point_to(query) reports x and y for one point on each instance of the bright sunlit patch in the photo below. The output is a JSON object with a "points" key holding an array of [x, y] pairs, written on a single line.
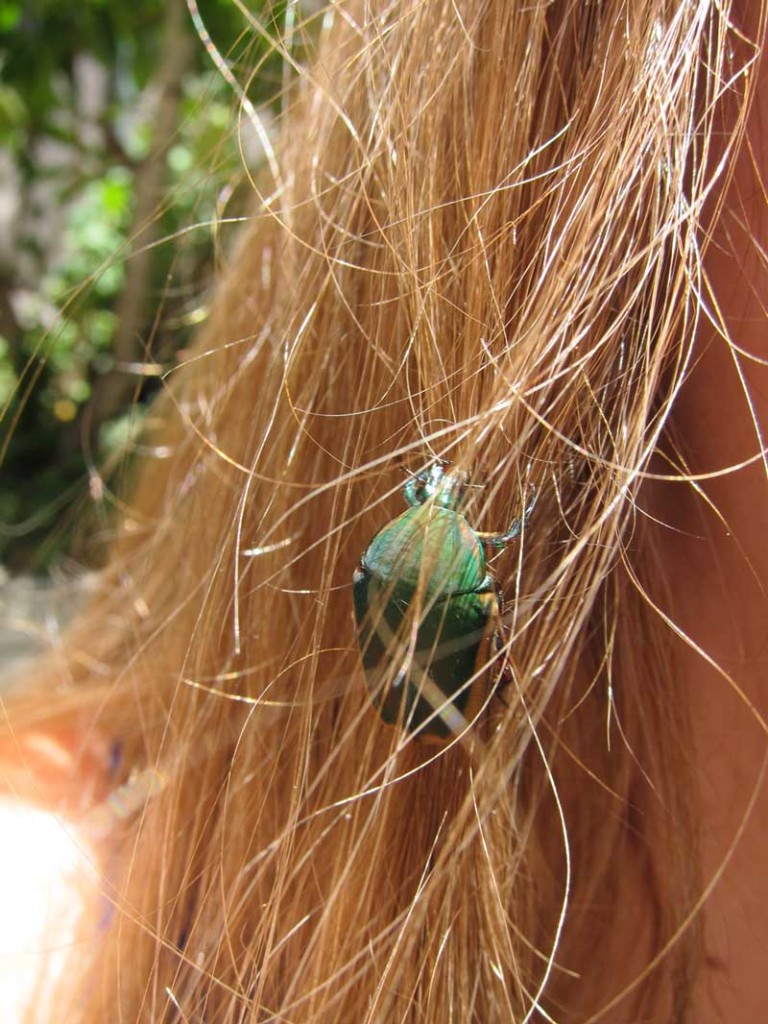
{"points": [[47, 880]]}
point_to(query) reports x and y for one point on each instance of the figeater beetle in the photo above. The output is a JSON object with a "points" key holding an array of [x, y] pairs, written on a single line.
{"points": [[429, 612]]}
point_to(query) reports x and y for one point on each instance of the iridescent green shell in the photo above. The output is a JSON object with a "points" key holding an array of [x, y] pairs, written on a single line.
{"points": [[428, 547], [428, 615]]}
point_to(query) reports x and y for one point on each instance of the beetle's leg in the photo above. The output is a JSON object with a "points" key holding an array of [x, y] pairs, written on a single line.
{"points": [[409, 490], [504, 681], [505, 677], [500, 540]]}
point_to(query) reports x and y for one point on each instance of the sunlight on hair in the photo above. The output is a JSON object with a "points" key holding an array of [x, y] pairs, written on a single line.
{"points": [[47, 880]]}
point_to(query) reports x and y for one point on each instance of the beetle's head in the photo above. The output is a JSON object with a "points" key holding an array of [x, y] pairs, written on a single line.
{"points": [[446, 487]]}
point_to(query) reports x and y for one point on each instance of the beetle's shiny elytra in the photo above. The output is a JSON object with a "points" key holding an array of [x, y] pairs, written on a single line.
{"points": [[429, 612]]}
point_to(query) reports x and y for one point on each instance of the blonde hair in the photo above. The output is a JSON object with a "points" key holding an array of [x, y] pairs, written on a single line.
{"points": [[481, 242]]}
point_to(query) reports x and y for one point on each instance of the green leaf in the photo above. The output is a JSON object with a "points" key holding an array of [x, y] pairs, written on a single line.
{"points": [[10, 15]]}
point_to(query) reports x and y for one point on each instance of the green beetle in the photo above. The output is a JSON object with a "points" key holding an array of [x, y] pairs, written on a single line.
{"points": [[428, 611]]}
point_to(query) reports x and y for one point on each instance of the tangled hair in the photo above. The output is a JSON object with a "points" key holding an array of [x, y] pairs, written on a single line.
{"points": [[480, 240]]}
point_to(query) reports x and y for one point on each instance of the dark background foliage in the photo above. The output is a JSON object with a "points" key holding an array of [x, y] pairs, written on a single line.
{"points": [[122, 170]]}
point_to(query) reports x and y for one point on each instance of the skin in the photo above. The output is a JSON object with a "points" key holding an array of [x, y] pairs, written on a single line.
{"points": [[718, 575]]}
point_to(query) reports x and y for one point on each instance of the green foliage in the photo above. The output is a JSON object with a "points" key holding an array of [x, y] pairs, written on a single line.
{"points": [[76, 168]]}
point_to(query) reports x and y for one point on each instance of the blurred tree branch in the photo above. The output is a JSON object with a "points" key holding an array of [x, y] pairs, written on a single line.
{"points": [[115, 388]]}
